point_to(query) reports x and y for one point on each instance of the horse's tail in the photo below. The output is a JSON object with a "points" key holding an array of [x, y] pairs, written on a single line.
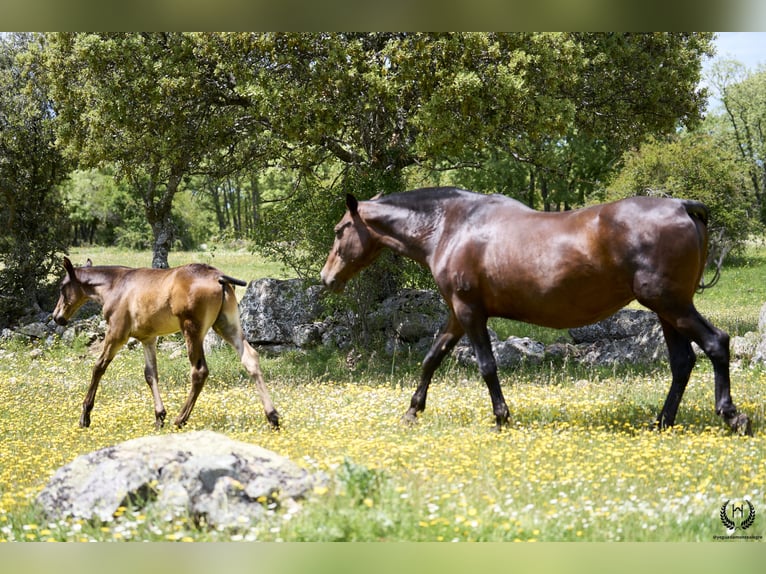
{"points": [[700, 213]]}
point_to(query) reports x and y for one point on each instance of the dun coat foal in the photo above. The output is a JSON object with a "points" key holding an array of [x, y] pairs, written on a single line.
{"points": [[491, 256], [147, 303]]}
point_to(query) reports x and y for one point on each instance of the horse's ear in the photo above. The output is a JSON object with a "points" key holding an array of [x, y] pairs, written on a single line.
{"points": [[376, 196], [89, 263], [352, 204]]}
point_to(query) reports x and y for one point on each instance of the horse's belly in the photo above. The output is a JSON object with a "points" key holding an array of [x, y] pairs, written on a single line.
{"points": [[156, 324], [561, 308]]}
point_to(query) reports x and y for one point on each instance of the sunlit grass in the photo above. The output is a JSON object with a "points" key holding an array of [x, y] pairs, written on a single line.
{"points": [[579, 461], [238, 262]]}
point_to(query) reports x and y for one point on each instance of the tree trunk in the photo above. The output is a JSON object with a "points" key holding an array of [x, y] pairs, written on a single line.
{"points": [[162, 230], [158, 208]]}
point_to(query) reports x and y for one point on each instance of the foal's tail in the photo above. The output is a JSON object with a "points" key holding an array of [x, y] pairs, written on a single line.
{"points": [[226, 280], [700, 213]]}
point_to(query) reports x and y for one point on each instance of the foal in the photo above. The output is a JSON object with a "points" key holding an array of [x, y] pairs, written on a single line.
{"points": [[147, 303]]}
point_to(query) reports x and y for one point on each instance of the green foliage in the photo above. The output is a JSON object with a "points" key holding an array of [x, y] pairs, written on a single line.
{"points": [[32, 221], [154, 105], [692, 166], [740, 126]]}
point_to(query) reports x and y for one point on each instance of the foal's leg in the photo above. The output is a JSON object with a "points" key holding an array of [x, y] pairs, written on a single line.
{"points": [[443, 344], [715, 344], [112, 344], [199, 370], [228, 327], [151, 376]]}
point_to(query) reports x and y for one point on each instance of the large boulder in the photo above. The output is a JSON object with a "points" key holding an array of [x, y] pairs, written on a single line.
{"points": [[277, 312], [213, 479], [509, 353], [628, 336]]}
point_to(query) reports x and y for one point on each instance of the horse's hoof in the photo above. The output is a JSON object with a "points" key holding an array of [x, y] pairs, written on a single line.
{"points": [[273, 418], [740, 424], [84, 421], [409, 419]]}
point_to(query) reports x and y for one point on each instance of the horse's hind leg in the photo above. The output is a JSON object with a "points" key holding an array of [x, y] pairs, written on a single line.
{"points": [[476, 327], [199, 370], [715, 344], [682, 359], [151, 376], [228, 327], [443, 344]]}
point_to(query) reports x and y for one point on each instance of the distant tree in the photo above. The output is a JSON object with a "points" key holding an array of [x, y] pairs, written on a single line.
{"points": [[97, 206], [693, 166], [155, 105], [743, 95], [32, 222]]}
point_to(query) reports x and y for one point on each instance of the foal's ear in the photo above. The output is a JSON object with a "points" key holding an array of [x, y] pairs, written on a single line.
{"points": [[352, 204], [89, 263], [69, 267]]}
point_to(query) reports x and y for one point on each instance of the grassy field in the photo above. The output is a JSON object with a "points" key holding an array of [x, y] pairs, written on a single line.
{"points": [[579, 462]]}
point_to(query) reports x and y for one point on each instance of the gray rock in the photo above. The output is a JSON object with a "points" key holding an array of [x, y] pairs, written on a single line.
{"points": [[271, 309], [747, 347], [628, 336], [509, 353], [624, 324], [36, 330], [411, 315], [213, 479]]}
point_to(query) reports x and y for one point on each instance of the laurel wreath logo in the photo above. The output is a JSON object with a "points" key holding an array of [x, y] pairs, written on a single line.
{"points": [[730, 524]]}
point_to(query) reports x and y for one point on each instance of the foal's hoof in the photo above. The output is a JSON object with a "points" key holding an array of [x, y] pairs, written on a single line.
{"points": [[84, 421], [740, 424], [273, 418]]}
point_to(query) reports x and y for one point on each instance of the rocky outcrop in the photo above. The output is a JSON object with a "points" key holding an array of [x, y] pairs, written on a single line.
{"points": [[628, 336], [280, 315], [280, 312], [205, 475]]}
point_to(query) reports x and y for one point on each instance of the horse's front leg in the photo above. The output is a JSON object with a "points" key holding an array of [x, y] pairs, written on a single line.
{"points": [[444, 343], [151, 376], [112, 344]]}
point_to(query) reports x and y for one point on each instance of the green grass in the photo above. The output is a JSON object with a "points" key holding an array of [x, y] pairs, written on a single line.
{"points": [[580, 460], [238, 262]]}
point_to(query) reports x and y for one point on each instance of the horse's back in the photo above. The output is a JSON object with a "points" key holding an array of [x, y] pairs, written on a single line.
{"points": [[565, 269], [159, 301]]}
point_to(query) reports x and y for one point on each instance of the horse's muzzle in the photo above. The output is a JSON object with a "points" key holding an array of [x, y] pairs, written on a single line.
{"points": [[60, 320]]}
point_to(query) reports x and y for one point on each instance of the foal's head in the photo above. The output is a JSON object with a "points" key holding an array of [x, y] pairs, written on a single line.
{"points": [[354, 248], [72, 294]]}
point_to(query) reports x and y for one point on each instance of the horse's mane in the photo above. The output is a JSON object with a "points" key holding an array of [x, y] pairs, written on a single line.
{"points": [[417, 198]]}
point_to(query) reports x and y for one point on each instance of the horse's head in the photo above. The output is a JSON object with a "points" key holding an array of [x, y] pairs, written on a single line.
{"points": [[355, 247], [72, 294]]}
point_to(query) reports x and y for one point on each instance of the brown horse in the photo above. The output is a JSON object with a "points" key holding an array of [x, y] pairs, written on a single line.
{"points": [[492, 256], [147, 303]]}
